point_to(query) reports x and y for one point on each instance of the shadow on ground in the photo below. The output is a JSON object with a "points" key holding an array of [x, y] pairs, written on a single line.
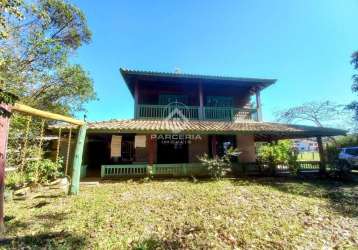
{"points": [[48, 220], [177, 238], [59, 240], [54, 196], [153, 243], [342, 195]]}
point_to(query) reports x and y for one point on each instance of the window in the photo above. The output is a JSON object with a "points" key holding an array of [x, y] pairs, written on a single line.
{"points": [[219, 101], [169, 98]]}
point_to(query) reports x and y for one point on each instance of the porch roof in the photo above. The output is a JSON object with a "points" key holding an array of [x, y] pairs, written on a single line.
{"points": [[261, 130]]}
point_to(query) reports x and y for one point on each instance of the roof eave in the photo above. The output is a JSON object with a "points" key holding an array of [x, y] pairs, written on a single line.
{"points": [[126, 73]]}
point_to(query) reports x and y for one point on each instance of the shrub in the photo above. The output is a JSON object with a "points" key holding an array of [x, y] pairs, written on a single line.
{"points": [[281, 153], [218, 167], [43, 171], [15, 179]]}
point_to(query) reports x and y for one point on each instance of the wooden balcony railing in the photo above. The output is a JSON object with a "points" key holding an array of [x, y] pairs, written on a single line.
{"points": [[228, 114], [194, 113], [163, 112]]}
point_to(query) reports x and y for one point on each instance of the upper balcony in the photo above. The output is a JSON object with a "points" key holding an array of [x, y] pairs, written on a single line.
{"points": [[199, 97], [195, 113]]}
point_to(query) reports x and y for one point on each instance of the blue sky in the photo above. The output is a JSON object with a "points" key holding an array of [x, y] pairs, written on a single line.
{"points": [[304, 44]]}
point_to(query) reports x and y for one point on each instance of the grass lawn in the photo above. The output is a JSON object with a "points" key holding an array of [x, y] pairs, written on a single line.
{"points": [[180, 214], [308, 156]]}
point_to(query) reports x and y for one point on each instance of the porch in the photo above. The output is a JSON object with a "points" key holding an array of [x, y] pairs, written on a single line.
{"points": [[158, 155], [151, 148]]}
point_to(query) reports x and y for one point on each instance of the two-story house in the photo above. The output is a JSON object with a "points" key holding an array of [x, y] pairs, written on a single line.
{"points": [[178, 117]]}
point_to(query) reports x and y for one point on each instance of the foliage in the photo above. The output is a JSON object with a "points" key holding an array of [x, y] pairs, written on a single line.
{"points": [[317, 113], [17, 138], [278, 153], [35, 57], [260, 213], [282, 152], [6, 98], [354, 105], [9, 9], [15, 179], [36, 171], [42, 171], [35, 64], [29, 157], [218, 167]]}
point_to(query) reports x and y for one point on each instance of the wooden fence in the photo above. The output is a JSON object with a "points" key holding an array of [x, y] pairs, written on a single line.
{"points": [[132, 170], [309, 165], [157, 170]]}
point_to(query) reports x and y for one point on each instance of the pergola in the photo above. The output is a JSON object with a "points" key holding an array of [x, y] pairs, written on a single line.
{"points": [[6, 110]]}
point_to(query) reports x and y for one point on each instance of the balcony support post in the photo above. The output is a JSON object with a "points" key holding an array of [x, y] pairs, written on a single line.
{"points": [[136, 97], [150, 144], [214, 146], [201, 102], [322, 162], [258, 105]]}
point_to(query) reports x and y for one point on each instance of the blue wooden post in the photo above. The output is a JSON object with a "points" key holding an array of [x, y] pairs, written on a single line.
{"points": [[77, 160], [184, 168], [136, 97], [201, 102], [102, 171]]}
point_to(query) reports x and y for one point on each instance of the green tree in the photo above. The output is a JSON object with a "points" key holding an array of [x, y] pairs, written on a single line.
{"points": [[9, 9], [41, 36], [354, 105], [35, 56]]}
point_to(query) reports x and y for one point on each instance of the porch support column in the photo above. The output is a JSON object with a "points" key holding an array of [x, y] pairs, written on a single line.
{"points": [[322, 162], [258, 105], [213, 145], [150, 151], [201, 102], [136, 97], [4, 131], [77, 160]]}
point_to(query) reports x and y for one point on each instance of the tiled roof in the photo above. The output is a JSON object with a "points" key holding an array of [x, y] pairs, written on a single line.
{"points": [[132, 76], [259, 129], [195, 76]]}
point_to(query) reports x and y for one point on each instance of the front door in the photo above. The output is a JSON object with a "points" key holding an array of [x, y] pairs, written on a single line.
{"points": [[172, 152]]}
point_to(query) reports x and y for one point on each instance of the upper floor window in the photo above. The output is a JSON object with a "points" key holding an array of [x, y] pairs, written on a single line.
{"points": [[219, 101], [169, 98]]}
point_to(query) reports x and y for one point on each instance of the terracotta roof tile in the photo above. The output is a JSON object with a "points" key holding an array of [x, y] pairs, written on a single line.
{"points": [[263, 129]]}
